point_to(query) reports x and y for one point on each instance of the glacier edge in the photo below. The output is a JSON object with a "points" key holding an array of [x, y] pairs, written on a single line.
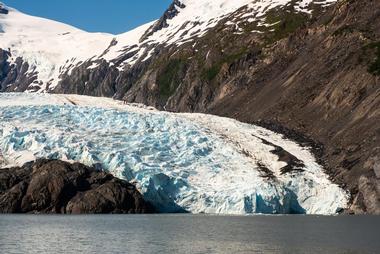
{"points": [[181, 162]]}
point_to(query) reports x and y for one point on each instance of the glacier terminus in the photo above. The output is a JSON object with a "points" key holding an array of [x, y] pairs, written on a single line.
{"points": [[180, 162]]}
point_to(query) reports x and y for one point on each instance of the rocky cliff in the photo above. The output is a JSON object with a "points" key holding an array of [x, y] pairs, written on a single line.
{"points": [[49, 186], [322, 82]]}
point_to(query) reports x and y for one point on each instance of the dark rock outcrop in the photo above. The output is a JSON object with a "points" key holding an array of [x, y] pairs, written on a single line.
{"points": [[51, 186], [3, 10], [15, 77]]}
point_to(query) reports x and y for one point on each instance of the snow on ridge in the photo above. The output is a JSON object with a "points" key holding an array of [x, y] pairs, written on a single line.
{"points": [[52, 48], [195, 17], [185, 26], [47, 45], [193, 162], [3, 6], [200, 15], [126, 40]]}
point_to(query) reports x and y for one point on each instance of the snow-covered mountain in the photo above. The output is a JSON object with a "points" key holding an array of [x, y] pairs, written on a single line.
{"points": [[47, 46], [41, 52]]}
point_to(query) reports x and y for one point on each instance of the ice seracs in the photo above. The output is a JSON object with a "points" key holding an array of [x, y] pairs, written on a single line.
{"points": [[181, 162]]}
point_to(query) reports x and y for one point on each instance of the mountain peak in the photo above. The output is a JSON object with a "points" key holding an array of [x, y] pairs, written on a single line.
{"points": [[3, 9], [170, 13]]}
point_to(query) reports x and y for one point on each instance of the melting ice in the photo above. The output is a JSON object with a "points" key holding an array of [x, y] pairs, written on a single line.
{"points": [[180, 162]]}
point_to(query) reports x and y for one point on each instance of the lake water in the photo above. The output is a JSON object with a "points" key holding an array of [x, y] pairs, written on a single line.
{"points": [[188, 234]]}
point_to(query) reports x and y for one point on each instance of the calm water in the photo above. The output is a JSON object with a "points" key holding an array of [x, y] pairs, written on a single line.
{"points": [[188, 234]]}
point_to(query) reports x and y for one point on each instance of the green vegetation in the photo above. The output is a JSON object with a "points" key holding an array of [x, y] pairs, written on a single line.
{"points": [[344, 30], [374, 67], [170, 77], [210, 73], [283, 23], [368, 51]]}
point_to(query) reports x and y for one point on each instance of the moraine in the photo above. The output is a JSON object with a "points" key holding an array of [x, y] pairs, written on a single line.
{"points": [[181, 162]]}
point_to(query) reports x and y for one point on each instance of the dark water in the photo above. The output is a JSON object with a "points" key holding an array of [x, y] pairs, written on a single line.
{"points": [[188, 234]]}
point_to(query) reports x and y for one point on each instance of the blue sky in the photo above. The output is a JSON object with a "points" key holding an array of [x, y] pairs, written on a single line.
{"points": [[112, 16]]}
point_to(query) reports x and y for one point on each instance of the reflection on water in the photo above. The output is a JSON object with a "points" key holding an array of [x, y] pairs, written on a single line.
{"points": [[188, 234]]}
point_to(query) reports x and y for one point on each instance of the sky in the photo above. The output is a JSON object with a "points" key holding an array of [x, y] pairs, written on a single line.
{"points": [[110, 16]]}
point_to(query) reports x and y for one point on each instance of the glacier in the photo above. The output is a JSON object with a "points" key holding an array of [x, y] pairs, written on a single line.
{"points": [[180, 162]]}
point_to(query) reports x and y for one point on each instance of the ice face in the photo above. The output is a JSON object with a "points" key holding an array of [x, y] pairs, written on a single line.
{"points": [[181, 163]]}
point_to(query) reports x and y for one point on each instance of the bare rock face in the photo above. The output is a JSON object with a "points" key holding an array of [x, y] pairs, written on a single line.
{"points": [[323, 82], [51, 186], [3, 10]]}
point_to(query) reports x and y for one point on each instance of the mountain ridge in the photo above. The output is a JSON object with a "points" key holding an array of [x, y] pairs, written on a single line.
{"points": [[178, 25]]}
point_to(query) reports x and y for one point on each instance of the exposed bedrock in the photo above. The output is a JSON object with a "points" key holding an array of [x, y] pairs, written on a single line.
{"points": [[52, 186]]}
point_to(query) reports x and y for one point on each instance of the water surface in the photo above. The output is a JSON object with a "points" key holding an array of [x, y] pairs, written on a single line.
{"points": [[188, 234]]}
